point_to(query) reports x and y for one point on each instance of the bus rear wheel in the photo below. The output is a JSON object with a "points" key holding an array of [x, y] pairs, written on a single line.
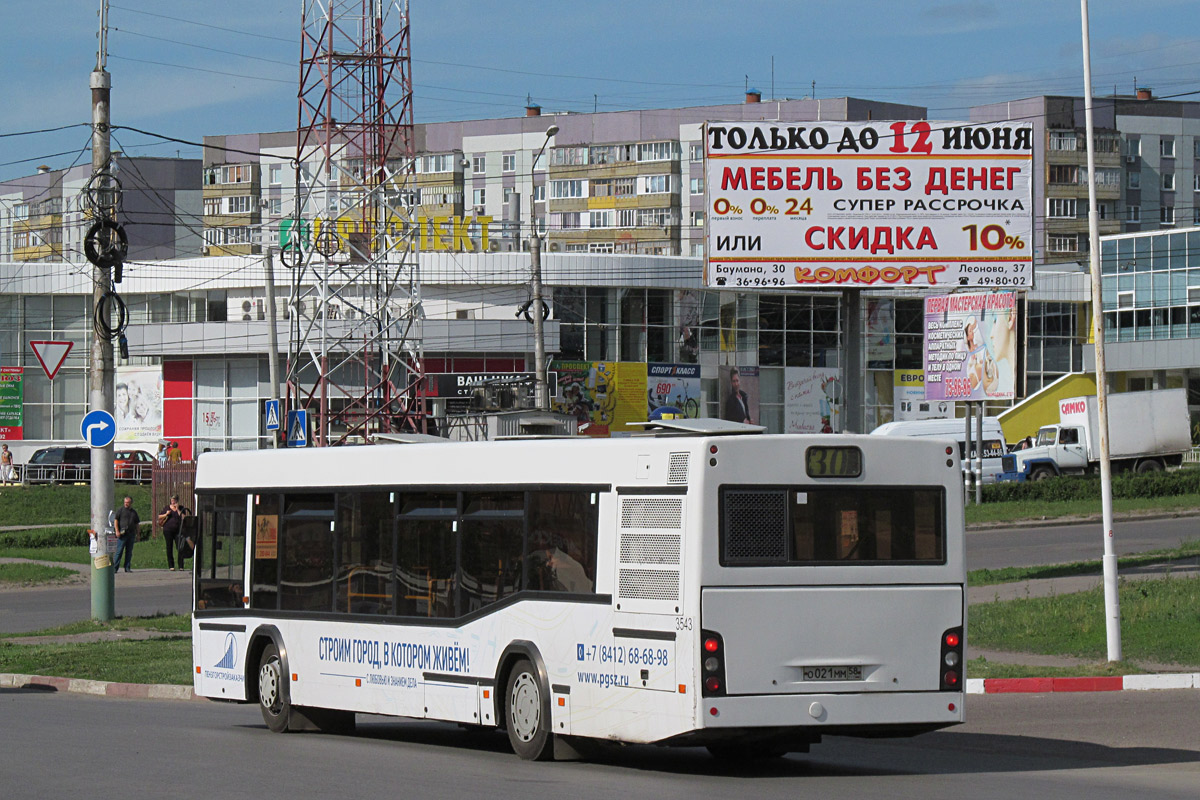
{"points": [[273, 698], [527, 713]]}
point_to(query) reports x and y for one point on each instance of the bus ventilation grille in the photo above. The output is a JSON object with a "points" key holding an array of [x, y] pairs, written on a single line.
{"points": [[755, 526], [677, 468], [651, 512], [649, 548], [648, 584]]}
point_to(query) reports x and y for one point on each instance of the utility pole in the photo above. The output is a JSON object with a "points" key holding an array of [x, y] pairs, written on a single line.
{"points": [[101, 362], [272, 337], [540, 395]]}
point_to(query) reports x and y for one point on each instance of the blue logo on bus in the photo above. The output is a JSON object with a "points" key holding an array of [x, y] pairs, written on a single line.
{"points": [[229, 660]]}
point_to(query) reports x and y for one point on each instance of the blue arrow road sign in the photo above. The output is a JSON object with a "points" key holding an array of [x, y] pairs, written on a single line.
{"points": [[98, 428], [272, 415], [297, 428]]}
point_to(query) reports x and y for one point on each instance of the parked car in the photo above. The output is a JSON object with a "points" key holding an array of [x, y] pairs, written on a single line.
{"points": [[59, 465], [134, 466]]}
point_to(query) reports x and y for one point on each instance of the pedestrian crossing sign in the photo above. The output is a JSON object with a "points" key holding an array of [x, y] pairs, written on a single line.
{"points": [[297, 428], [272, 411]]}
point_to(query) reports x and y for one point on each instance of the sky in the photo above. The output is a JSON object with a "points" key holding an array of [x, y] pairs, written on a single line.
{"points": [[189, 70]]}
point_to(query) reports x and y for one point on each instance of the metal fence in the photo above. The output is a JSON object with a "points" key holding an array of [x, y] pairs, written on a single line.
{"points": [[173, 479]]}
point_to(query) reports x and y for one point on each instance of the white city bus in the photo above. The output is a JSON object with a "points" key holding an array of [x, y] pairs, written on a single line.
{"points": [[705, 585]]}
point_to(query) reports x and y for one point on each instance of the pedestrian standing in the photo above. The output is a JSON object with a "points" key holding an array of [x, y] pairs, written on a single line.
{"points": [[6, 466], [174, 454], [171, 520], [162, 454], [128, 525]]}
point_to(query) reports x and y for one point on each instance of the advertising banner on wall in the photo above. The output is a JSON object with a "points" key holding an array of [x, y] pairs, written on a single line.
{"points": [[812, 399], [12, 404], [602, 395], [909, 393], [870, 204], [463, 384], [971, 346], [673, 389], [739, 394], [138, 405]]}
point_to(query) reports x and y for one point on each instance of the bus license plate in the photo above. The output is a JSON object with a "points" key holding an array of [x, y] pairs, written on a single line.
{"points": [[850, 673]]}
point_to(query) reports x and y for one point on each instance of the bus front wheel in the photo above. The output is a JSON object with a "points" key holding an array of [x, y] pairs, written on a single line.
{"points": [[527, 713], [273, 697]]}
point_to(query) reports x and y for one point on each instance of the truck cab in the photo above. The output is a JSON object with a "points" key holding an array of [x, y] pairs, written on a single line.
{"points": [[1057, 449]]}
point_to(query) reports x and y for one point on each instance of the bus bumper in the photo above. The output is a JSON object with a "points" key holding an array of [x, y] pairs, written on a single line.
{"points": [[841, 714]]}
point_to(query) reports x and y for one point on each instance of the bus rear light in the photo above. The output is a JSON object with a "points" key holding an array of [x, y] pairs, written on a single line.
{"points": [[713, 449], [949, 451], [713, 711], [712, 664], [952, 657]]}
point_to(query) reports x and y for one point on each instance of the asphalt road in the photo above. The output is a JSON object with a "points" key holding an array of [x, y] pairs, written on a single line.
{"points": [[1060, 544], [1069, 747]]}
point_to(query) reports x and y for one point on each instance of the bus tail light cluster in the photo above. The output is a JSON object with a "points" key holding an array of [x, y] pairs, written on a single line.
{"points": [[951, 665], [712, 664]]}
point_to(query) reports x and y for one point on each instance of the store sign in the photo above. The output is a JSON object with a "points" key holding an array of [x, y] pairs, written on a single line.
{"points": [[971, 346], [463, 384], [874, 204], [457, 234], [12, 404]]}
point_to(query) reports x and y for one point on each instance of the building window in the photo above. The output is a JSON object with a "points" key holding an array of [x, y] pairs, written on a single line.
{"points": [[236, 173], [1063, 244], [569, 157], [212, 206], [1063, 140], [658, 151], [539, 193], [478, 197], [1133, 213], [1133, 146], [1064, 174], [440, 163], [1060, 208], [577, 248], [239, 204], [1104, 177], [1133, 180], [658, 184], [1166, 215], [1168, 181], [696, 185], [624, 187], [696, 151], [600, 247], [1196, 215], [276, 173], [626, 217], [565, 190], [1166, 147], [602, 219], [656, 217], [479, 164], [602, 155], [275, 206], [697, 219], [508, 162]]}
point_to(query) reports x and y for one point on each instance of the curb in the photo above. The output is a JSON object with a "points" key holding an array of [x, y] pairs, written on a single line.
{"points": [[1116, 683], [1090, 519], [136, 691]]}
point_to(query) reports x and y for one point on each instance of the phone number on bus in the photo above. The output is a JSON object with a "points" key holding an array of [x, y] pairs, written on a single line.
{"points": [[618, 654]]}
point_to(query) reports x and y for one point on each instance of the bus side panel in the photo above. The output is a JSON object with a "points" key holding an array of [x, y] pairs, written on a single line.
{"points": [[219, 659]]}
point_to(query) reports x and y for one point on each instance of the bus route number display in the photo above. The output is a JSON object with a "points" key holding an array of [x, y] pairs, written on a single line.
{"points": [[833, 462]]}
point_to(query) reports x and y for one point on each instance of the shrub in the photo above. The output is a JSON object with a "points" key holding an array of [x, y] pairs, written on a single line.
{"points": [[1087, 487]]}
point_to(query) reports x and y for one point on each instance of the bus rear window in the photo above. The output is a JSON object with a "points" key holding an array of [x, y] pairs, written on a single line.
{"points": [[832, 525]]}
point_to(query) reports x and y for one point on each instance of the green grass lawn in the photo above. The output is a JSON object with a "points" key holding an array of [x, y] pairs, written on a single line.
{"points": [[151, 554], [45, 505], [1160, 622], [135, 661], [32, 573], [1010, 511], [1187, 552]]}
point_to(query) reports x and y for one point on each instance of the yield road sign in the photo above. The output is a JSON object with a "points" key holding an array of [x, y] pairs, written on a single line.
{"points": [[51, 355], [98, 428], [272, 410], [297, 428]]}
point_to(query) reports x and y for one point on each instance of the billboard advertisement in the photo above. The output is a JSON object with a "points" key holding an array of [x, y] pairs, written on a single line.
{"points": [[138, 396], [908, 390], [673, 389], [602, 395], [971, 346], [12, 404], [812, 399], [869, 204]]}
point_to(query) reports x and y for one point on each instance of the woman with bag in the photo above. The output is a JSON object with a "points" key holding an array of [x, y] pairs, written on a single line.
{"points": [[171, 521]]}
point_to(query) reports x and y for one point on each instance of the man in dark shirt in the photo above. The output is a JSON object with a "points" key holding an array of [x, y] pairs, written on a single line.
{"points": [[128, 525]]}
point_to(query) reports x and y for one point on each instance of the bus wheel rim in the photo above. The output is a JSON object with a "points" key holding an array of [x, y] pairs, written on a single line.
{"points": [[526, 707], [268, 685]]}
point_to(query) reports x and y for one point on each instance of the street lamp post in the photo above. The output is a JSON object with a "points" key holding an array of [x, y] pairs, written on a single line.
{"points": [[535, 254]]}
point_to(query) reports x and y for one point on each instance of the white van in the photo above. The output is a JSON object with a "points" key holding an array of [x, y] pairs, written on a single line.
{"points": [[955, 429]]}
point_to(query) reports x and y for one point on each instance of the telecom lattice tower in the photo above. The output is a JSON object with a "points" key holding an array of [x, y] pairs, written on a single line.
{"points": [[355, 357]]}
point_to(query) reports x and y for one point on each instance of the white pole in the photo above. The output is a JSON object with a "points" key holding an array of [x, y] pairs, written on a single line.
{"points": [[1112, 602]]}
